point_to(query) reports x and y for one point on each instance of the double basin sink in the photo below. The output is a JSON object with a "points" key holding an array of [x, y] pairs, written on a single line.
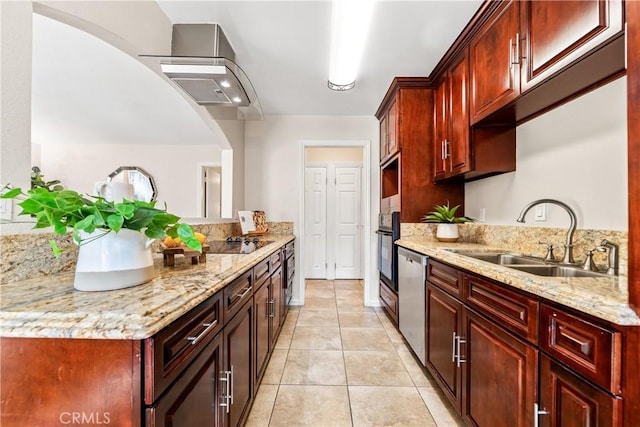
{"points": [[532, 265]]}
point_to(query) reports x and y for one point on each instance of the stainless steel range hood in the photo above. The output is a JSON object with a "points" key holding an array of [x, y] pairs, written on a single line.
{"points": [[202, 64]]}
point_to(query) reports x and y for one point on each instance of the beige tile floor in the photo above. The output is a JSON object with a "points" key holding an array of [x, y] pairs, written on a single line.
{"points": [[339, 363]]}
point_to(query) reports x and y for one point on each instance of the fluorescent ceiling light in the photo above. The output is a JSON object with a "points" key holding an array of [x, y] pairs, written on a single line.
{"points": [[349, 27], [193, 69]]}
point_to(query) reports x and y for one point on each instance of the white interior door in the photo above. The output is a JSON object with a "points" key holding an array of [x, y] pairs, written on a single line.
{"points": [[347, 230], [315, 222]]}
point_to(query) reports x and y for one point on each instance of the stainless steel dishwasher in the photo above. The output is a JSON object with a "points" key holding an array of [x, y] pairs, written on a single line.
{"points": [[412, 270]]}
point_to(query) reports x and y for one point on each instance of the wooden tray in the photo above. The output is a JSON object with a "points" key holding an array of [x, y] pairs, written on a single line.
{"points": [[169, 255]]}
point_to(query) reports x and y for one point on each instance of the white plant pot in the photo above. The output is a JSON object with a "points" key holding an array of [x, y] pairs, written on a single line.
{"points": [[447, 232], [114, 261]]}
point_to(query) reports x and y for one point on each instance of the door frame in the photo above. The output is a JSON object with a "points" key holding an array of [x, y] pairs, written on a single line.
{"points": [[333, 165], [370, 291], [199, 192]]}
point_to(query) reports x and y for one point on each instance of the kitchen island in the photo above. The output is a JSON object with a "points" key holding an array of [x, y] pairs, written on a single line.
{"points": [[173, 350]]}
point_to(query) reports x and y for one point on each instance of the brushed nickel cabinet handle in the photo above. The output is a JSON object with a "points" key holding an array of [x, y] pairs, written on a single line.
{"points": [[207, 328]]}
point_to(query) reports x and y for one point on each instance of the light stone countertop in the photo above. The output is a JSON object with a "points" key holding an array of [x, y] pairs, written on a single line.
{"points": [[51, 308], [599, 297]]}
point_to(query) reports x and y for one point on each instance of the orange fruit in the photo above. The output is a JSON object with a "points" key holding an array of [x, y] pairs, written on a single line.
{"points": [[170, 242], [201, 237]]}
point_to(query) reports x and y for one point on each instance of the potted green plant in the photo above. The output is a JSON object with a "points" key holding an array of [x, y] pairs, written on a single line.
{"points": [[447, 220], [114, 237]]}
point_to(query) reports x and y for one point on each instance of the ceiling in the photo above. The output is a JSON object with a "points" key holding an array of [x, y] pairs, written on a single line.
{"points": [[85, 90], [283, 46]]}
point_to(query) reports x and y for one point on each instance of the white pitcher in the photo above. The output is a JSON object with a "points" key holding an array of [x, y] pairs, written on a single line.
{"points": [[113, 261], [113, 191]]}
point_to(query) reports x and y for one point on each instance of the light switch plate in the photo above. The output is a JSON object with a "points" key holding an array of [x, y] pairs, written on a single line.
{"points": [[541, 212]]}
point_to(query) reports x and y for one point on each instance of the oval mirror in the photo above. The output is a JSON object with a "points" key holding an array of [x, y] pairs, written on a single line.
{"points": [[144, 187]]}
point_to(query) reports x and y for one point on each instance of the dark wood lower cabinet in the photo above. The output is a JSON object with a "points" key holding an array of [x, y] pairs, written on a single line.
{"points": [[200, 370], [276, 306], [484, 350], [262, 336], [194, 400], [444, 317], [572, 402], [499, 375], [238, 363]]}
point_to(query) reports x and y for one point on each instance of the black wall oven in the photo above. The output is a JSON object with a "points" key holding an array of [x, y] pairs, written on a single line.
{"points": [[388, 232]]}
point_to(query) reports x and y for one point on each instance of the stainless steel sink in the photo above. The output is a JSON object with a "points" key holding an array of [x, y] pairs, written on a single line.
{"points": [[557, 271], [531, 264], [503, 258]]}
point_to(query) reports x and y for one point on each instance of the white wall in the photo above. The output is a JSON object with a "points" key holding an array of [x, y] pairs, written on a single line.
{"points": [[332, 154], [174, 168], [273, 170], [576, 153], [15, 92], [272, 158]]}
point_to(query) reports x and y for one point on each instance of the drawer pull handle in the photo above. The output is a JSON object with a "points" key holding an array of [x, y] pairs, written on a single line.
{"points": [[207, 328], [242, 294], [585, 348]]}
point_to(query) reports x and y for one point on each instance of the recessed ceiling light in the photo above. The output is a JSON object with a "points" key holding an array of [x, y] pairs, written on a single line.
{"points": [[236, 99], [225, 83]]}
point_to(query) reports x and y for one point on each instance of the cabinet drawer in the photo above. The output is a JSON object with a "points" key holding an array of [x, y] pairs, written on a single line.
{"points": [[261, 272], [591, 350], [445, 277], [237, 293], [511, 310], [170, 351], [389, 302], [275, 261]]}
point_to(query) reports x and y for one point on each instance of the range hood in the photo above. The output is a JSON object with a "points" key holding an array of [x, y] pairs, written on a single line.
{"points": [[202, 64]]}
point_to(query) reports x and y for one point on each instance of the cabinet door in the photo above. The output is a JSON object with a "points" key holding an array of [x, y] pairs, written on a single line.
{"points": [[572, 402], [276, 305], [500, 375], [559, 32], [443, 325], [460, 149], [194, 399], [238, 360], [494, 78], [384, 137], [262, 310], [441, 112], [392, 129]]}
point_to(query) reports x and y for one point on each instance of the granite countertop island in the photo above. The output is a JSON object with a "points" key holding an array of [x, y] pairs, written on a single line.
{"points": [[599, 297], [51, 308]]}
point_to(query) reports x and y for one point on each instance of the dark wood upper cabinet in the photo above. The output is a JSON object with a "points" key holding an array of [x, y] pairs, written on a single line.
{"points": [[555, 33], [389, 143], [530, 56], [406, 181], [493, 52], [451, 128]]}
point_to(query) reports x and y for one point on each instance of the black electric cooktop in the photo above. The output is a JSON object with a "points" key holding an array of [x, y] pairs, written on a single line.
{"points": [[232, 246]]}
